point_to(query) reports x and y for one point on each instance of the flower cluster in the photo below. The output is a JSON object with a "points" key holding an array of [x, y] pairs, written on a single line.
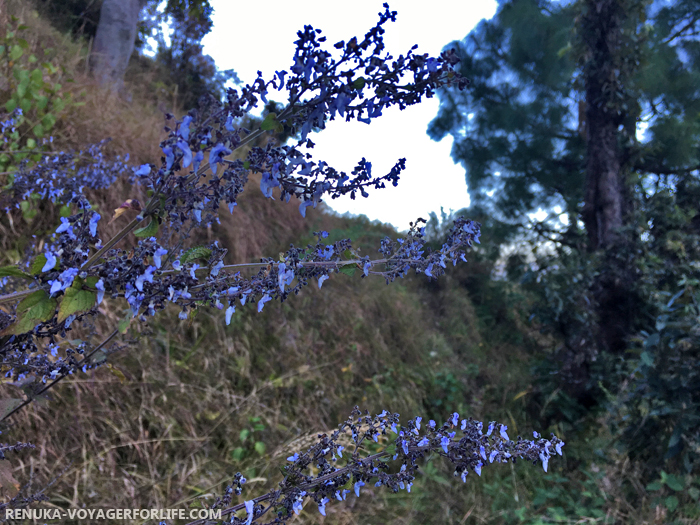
{"points": [[69, 280], [329, 471]]}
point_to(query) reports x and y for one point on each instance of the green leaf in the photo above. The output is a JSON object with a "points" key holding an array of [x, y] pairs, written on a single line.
{"points": [[674, 482], [37, 77], [246, 164], [148, 231], [349, 269], [654, 486], [41, 102], [671, 503], [38, 130], [36, 308], [694, 493], [244, 435], [16, 52], [25, 104], [65, 211], [75, 300], [13, 271], [124, 323], [198, 252], [270, 122], [260, 447], [48, 121], [359, 83]]}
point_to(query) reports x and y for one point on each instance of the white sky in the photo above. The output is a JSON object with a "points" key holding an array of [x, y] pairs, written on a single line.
{"points": [[252, 36]]}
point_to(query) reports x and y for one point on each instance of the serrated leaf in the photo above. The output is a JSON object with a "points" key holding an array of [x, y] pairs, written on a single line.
{"points": [[13, 271], [36, 308], [98, 357], [91, 281], [348, 269], [270, 122], [198, 252], [75, 301], [148, 231], [124, 323]]}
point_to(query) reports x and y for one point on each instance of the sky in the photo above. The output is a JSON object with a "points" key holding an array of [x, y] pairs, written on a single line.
{"points": [[246, 41]]}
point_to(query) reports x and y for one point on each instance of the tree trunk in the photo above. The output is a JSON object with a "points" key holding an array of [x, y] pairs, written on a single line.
{"points": [[114, 41], [605, 194], [607, 198]]}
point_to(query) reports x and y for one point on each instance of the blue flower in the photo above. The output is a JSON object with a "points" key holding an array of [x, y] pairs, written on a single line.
{"points": [[93, 223], [215, 269], [490, 428], [183, 315], [477, 468], [482, 451], [147, 276], [142, 170], [100, 285], [194, 268], [357, 487], [504, 434], [558, 447], [157, 256], [303, 206], [321, 279], [229, 312], [267, 182], [65, 280], [261, 302], [493, 454], [322, 506], [216, 156], [423, 442], [169, 157], [249, 508], [50, 262], [444, 442], [418, 420], [186, 153], [184, 130], [455, 419], [66, 227], [294, 457]]}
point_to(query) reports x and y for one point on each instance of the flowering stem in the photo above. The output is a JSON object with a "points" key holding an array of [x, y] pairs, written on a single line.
{"points": [[83, 361], [114, 240]]}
